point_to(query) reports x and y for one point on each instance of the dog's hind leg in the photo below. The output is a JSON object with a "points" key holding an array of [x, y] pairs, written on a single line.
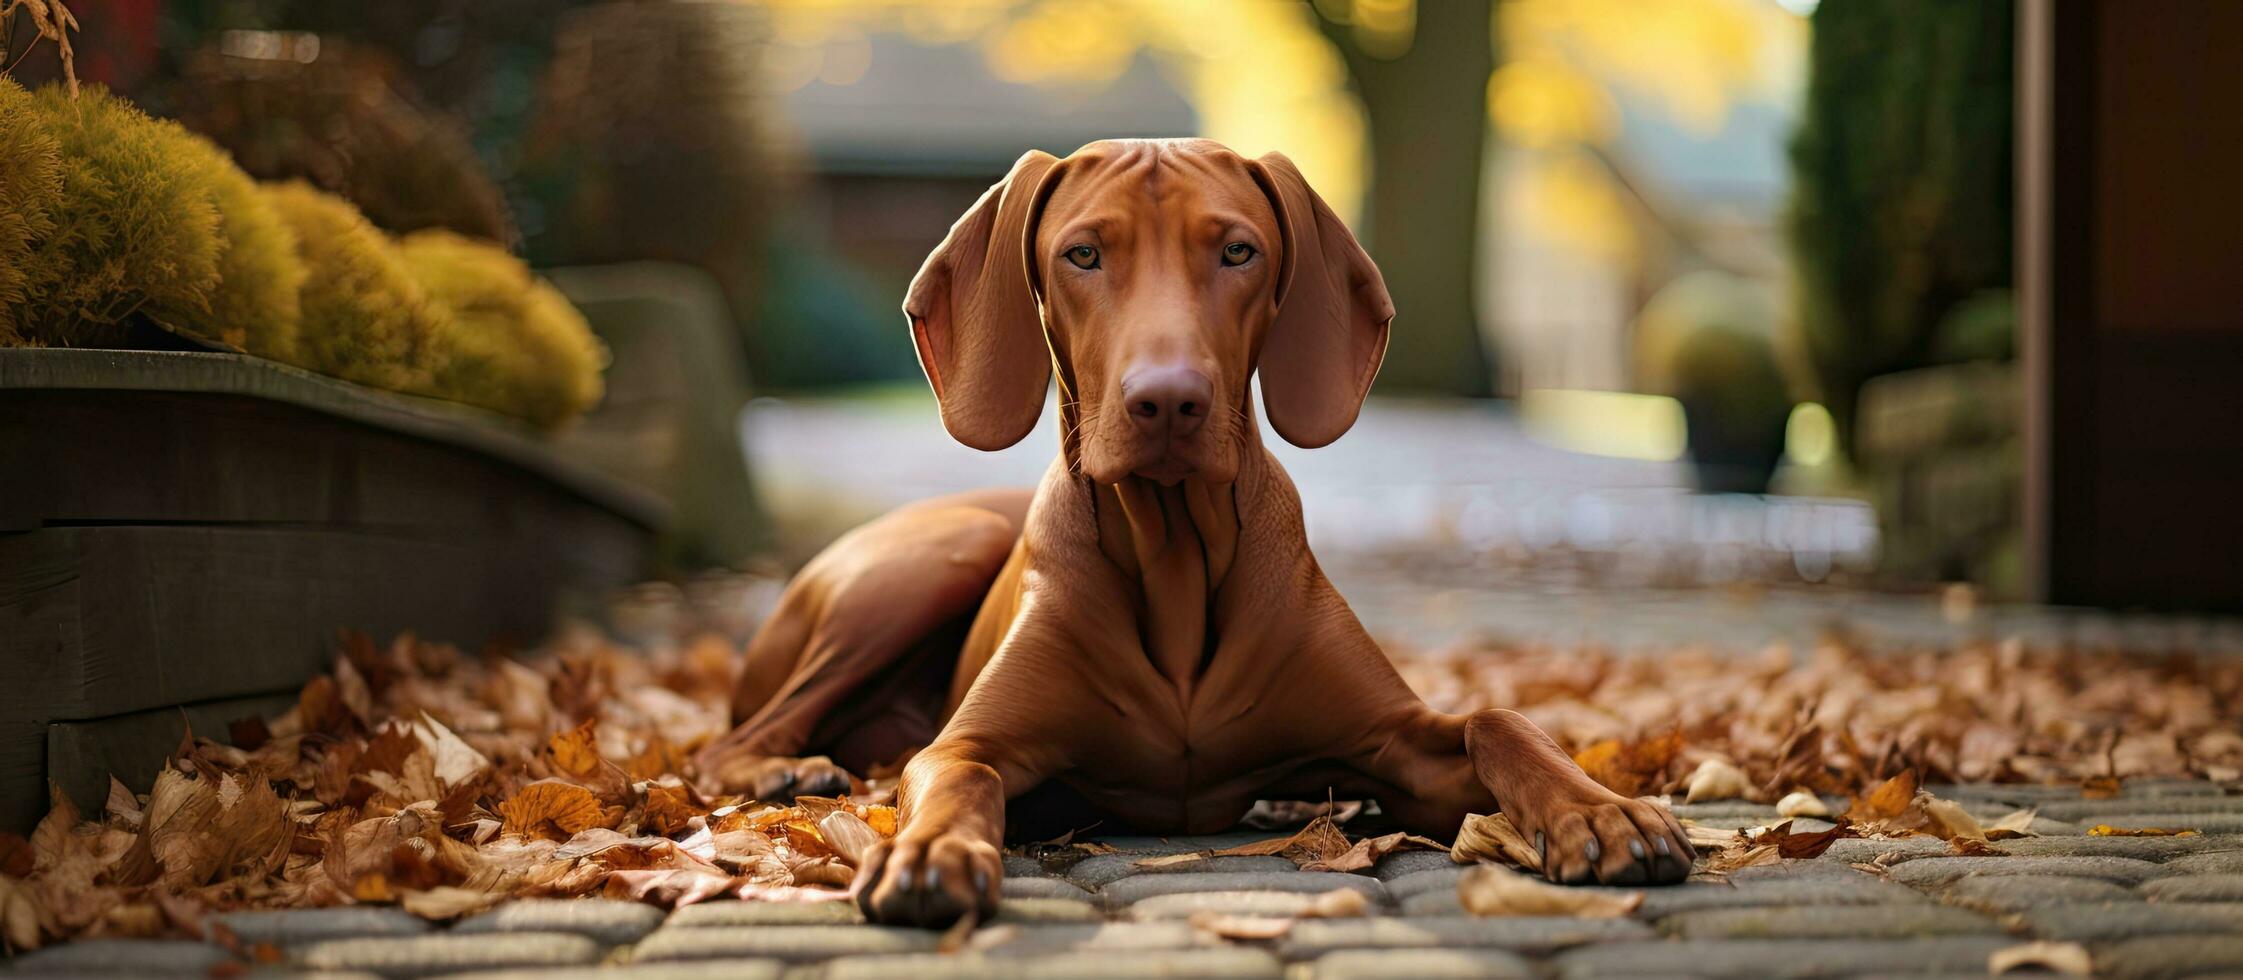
{"points": [[859, 650]]}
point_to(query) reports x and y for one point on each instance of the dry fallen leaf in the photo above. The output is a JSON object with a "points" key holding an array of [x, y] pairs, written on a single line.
{"points": [[2106, 830], [1947, 820], [1631, 768], [2016, 823], [1492, 837], [394, 775], [1717, 779], [551, 808], [1491, 890], [1801, 803], [2070, 959], [1244, 928]]}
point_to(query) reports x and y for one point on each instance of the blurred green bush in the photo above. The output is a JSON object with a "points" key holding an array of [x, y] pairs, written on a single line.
{"points": [[1901, 206], [509, 341], [30, 193], [366, 319], [109, 218], [1707, 339], [254, 305], [136, 227]]}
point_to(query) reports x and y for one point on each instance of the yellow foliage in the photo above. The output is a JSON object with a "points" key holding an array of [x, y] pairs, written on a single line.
{"points": [[1564, 60], [1259, 74], [1694, 58], [139, 229], [30, 194], [510, 342], [365, 318], [255, 305]]}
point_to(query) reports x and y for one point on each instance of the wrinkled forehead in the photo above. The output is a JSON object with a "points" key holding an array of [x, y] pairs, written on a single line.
{"points": [[1117, 186]]}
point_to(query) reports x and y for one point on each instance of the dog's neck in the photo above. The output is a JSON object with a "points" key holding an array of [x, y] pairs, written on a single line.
{"points": [[1178, 544]]}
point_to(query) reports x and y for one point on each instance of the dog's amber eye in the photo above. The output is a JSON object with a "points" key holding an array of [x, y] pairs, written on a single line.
{"points": [[1084, 257], [1236, 253]]}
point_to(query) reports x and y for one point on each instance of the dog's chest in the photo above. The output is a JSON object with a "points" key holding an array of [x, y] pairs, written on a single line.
{"points": [[1162, 762]]}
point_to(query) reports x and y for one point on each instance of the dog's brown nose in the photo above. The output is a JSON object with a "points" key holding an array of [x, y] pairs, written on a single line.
{"points": [[1172, 398]]}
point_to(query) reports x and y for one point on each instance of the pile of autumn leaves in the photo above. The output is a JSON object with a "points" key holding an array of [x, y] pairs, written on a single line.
{"points": [[444, 782]]}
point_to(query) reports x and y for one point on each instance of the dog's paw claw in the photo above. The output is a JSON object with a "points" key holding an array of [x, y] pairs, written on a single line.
{"points": [[928, 882], [1605, 838]]}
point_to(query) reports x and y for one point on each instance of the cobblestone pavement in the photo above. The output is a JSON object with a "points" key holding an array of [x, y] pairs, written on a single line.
{"points": [[2142, 906]]}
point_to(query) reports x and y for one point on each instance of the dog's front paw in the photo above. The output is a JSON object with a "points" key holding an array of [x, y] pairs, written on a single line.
{"points": [[773, 779], [1596, 835], [931, 881]]}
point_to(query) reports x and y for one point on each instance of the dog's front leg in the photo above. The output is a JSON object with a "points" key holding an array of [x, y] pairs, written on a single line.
{"points": [[1444, 766], [1584, 831], [946, 859]]}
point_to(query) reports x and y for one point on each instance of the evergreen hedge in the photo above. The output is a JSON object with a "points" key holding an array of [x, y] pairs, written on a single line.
{"points": [[1901, 205]]}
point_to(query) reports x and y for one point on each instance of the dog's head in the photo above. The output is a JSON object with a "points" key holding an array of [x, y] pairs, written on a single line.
{"points": [[1157, 276]]}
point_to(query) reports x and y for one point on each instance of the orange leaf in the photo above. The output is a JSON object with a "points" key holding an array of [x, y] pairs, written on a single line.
{"points": [[669, 806], [882, 819], [2099, 787], [551, 809], [1888, 801], [1631, 768], [2106, 830], [576, 752]]}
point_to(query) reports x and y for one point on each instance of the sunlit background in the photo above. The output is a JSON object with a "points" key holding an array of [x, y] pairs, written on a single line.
{"points": [[1639, 341]]}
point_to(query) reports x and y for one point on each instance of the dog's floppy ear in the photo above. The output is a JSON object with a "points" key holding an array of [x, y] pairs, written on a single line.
{"points": [[1332, 315], [974, 318]]}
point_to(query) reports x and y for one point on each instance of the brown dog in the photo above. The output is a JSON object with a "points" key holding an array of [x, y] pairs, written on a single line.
{"points": [[1151, 630]]}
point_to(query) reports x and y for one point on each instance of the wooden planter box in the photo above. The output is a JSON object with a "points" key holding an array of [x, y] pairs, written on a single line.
{"points": [[186, 533]]}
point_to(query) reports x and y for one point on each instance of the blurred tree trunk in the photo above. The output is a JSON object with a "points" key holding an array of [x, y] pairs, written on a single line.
{"points": [[1428, 134]]}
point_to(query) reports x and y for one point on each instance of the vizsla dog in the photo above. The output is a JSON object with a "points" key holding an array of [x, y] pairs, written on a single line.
{"points": [[1149, 628]]}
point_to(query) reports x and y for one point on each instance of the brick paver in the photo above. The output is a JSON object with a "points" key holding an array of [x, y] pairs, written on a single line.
{"points": [[2143, 906]]}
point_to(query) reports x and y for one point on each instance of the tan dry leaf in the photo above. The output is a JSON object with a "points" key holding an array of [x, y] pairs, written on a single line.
{"points": [[2100, 788], [447, 902], [1241, 928], [1491, 890], [123, 808], [1703, 837], [1492, 837], [1321, 840], [1370, 850], [1947, 820], [457, 763], [1339, 903], [2070, 959], [1717, 779], [1739, 856], [672, 887], [19, 915], [1974, 847], [2016, 823], [1801, 803], [848, 835]]}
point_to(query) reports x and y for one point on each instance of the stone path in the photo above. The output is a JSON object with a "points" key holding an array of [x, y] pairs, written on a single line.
{"points": [[2144, 907]]}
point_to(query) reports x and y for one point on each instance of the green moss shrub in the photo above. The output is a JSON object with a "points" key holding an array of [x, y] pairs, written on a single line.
{"points": [[510, 342], [138, 228], [255, 304], [30, 194], [365, 318]]}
